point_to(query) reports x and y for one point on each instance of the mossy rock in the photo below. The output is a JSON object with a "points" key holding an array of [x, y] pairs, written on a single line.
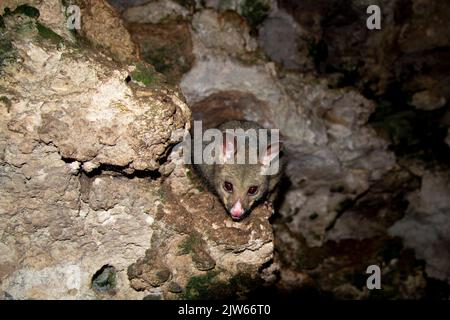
{"points": [[48, 34], [189, 244], [255, 12], [208, 286], [146, 75], [6, 102], [6, 51]]}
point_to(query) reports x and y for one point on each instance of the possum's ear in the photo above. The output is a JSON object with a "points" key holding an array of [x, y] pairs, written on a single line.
{"points": [[228, 146], [272, 151]]}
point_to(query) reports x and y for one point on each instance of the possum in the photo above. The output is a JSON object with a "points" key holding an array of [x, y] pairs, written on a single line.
{"points": [[241, 187]]}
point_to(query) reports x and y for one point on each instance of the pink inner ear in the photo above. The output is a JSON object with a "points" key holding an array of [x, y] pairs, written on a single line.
{"points": [[228, 148]]}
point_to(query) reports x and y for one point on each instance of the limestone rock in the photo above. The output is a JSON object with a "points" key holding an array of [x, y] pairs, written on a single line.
{"points": [[167, 46], [102, 26], [84, 212], [155, 11], [425, 100], [283, 40], [326, 139], [49, 14], [425, 227]]}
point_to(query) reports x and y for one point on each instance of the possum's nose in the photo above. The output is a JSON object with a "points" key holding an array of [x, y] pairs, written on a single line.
{"points": [[237, 211]]}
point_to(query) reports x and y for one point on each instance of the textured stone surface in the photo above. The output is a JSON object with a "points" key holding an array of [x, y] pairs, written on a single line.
{"points": [[284, 41], [102, 26], [49, 14], [325, 135], [427, 222], [89, 168], [412, 46], [155, 12], [81, 141], [167, 46]]}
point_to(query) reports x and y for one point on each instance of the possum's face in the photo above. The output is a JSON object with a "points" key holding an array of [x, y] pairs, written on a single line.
{"points": [[240, 187]]}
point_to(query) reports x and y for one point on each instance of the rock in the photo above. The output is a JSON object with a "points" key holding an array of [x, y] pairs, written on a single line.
{"points": [[108, 124], [425, 227], [97, 203], [49, 14], [225, 32], [102, 26], [175, 287], [155, 12], [84, 212], [425, 100], [414, 51], [167, 46], [282, 39], [120, 5], [324, 130], [220, 249], [226, 105]]}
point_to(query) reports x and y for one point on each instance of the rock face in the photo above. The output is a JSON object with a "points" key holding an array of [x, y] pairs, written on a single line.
{"points": [[412, 46], [155, 12], [326, 140], [102, 26], [425, 227], [300, 67], [93, 203], [192, 229], [95, 200]]}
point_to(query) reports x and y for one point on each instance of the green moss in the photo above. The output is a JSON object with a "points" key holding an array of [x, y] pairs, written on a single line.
{"points": [[208, 286], [189, 244], [167, 59], [255, 11], [48, 34], [6, 102], [145, 75], [201, 287], [158, 58], [6, 50], [162, 195]]}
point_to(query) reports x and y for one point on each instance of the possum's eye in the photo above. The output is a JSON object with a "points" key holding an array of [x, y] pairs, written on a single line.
{"points": [[252, 190], [228, 186]]}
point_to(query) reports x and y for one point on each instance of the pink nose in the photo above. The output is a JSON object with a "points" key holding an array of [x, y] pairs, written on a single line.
{"points": [[237, 211]]}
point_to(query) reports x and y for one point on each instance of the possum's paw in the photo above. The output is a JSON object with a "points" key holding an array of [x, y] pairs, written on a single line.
{"points": [[269, 206]]}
